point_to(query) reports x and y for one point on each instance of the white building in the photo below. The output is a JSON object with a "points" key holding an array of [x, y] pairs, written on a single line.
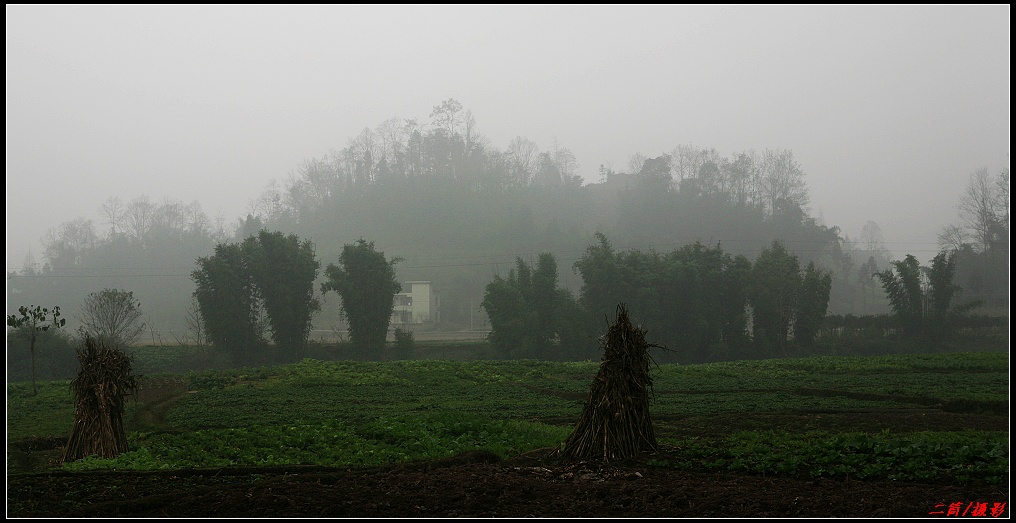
{"points": [[418, 305]]}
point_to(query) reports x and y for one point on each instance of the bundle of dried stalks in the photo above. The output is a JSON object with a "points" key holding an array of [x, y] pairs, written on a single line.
{"points": [[615, 422], [101, 390]]}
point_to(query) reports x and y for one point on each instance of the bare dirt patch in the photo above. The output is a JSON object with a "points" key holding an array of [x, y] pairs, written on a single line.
{"points": [[473, 486]]}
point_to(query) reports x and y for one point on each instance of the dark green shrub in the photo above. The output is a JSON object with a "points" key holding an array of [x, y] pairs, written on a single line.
{"points": [[54, 353], [405, 345]]}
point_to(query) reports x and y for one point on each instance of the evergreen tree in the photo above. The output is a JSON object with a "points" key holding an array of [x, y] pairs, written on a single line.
{"points": [[366, 282], [285, 269], [262, 287], [812, 304], [229, 302], [530, 316], [922, 297]]}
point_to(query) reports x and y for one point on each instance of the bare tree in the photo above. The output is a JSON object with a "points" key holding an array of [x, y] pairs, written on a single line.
{"points": [[195, 324], [361, 156], [753, 164], [66, 246], [473, 137], [30, 266], [686, 159], [391, 135], [566, 163], [782, 179], [219, 232], [138, 216], [446, 116], [871, 235], [197, 220], [984, 207], [872, 244], [316, 182], [112, 316], [113, 212], [269, 205], [156, 334], [952, 237], [635, 163], [977, 206], [740, 173], [523, 154], [171, 215]]}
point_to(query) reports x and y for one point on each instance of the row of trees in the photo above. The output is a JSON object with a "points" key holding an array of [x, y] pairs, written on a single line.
{"points": [[260, 289], [706, 305], [253, 301], [454, 205], [399, 149], [699, 302], [770, 181], [146, 247], [136, 225], [256, 298], [695, 298], [440, 191], [452, 149]]}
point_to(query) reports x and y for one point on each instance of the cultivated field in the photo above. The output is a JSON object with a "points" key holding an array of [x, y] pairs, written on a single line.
{"points": [[902, 435]]}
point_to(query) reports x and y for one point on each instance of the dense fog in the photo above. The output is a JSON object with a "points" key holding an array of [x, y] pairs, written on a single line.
{"points": [[465, 139]]}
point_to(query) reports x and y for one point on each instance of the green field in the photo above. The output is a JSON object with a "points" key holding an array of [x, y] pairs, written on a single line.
{"points": [[936, 418]]}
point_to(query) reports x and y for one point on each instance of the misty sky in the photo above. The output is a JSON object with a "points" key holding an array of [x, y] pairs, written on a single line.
{"points": [[887, 109]]}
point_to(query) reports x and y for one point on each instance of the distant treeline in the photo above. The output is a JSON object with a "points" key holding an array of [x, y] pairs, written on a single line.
{"points": [[459, 210]]}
